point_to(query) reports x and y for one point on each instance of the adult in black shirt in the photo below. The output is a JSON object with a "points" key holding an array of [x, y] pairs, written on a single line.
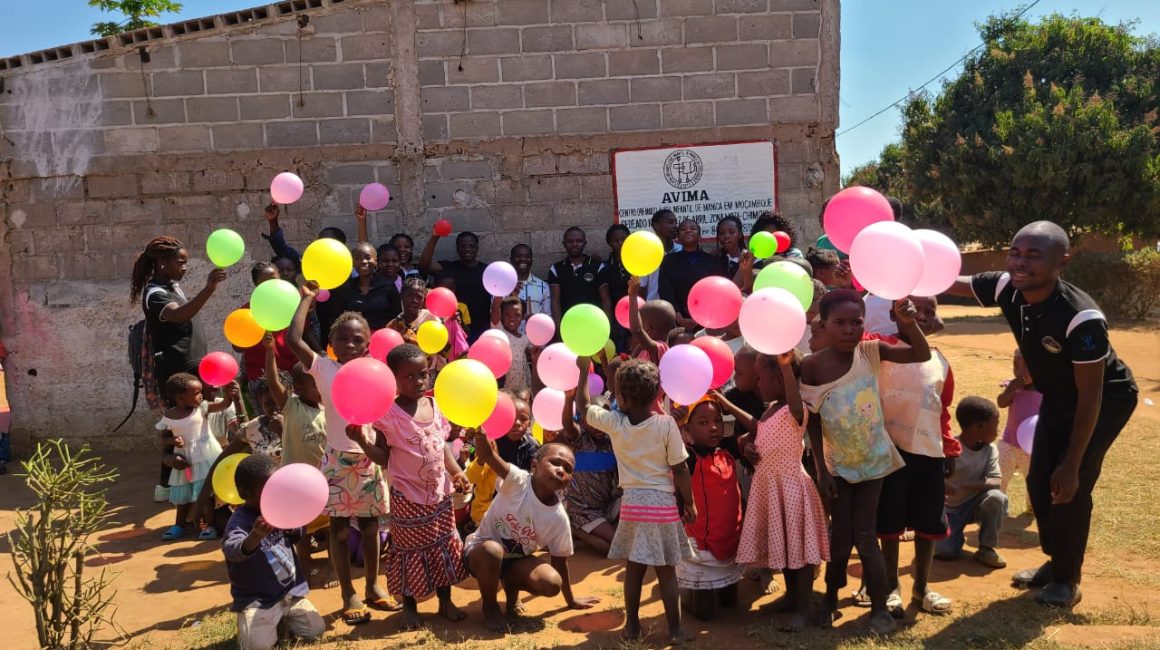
{"points": [[368, 292], [1088, 396], [682, 269], [617, 281], [468, 274], [578, 278]]}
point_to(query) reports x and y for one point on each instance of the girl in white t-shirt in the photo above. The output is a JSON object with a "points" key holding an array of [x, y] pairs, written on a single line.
{"points": [[186, 427]]}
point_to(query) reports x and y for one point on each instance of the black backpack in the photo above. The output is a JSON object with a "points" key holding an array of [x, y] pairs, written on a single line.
{"points": [[139, 356]]}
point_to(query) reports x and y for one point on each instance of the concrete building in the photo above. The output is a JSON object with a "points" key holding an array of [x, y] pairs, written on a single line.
{"points": [[498, 115]]}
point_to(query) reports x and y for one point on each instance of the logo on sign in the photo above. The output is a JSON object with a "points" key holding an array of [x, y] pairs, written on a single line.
{"points": [[683, 169]]}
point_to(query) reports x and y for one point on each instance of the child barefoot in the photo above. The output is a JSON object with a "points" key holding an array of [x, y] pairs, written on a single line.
{"points": [[592, 500], [840, 385], [425, 554], [1022, 401], [266, 582], [186, 427], [650, 457], [785, 526]]}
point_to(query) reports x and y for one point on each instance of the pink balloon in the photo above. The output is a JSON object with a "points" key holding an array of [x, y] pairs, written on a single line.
{"points": [[720, 355], [548, 409], [888, 259], [323, 295], [686, 373], [540, 329], [495, 332], [772, 320], [857, 285], [383, 341], [557, 367], [714, 302], [374, 197], [851, 210], [1025, 434], [294, 496], [502, 418], [493, 353], [621, 311], [218, 369], [363, 390], [500, 279], [941, 263], [286, 188], [595, 384], [442, 302]]}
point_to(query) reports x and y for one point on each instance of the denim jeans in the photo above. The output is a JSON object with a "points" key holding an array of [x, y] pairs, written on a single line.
{"points": [[988, 508]]}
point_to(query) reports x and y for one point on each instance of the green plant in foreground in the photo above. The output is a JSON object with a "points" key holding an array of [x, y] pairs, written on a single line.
{"points": [[50, 542]]}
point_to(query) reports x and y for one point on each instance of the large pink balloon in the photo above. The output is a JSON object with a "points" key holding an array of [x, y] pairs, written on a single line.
{"points": [[888, 259], [500, 279], [941, 263], [218, 369], [442, 302], [383, 341], [363, 390], [686, 373], [494, 353], [548, 409], [714, 302], [286, 188], [851, 210], [772, 320], [720, 355], [502, 418], [540, 329], [294, 496], [557, 367], [621, 311], [374, 197]]}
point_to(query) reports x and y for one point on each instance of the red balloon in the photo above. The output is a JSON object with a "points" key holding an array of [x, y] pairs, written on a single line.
{"points": [[442, 228], [442, 302], [383, 341], [720, 355], [502, 418], [363, 390], [218, 369], [857, 285], [714, 302], [493, 352], [783, 241], [622, 310]]}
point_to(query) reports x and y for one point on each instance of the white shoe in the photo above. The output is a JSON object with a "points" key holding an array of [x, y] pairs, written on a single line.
{"points": [[160, 494]]}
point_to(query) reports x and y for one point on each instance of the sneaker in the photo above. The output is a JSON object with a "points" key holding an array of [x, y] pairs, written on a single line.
{"points": [[160, 494], [988, 556]]}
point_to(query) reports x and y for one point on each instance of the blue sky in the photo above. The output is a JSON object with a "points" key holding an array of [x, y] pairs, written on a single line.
{"points": [[888, 46]]}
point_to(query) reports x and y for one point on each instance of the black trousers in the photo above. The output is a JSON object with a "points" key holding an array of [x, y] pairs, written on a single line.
{"points": [[854, 517], [1063, 528]]}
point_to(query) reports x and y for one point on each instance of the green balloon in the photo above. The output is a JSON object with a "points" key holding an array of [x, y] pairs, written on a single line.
{"points": [[273, 304], [788, 276], [763, 245], [584, 329], [224, 247]]}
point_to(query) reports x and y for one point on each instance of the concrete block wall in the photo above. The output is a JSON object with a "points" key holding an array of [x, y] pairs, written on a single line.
{"points": [[497, 115]]}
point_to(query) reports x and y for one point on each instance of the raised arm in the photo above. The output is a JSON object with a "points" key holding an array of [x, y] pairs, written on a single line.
{"points": [[569, 432], [485, 453], [582, 396], [744, 276], [793, 396], [747, 421], [360, 215], [174, 313], [635, 324], [427, 262], [961, 288], [294, 338], [277, 391], [918, 350], [277, 237]]}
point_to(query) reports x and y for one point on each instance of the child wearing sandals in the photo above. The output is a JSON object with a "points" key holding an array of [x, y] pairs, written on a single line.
{"points": [[425, 554], [1022, 401], [650, 458], [593, 498], [185, 426]]}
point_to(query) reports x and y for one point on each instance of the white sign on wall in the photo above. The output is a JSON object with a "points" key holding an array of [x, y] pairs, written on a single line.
{"points": [[701, 182]]}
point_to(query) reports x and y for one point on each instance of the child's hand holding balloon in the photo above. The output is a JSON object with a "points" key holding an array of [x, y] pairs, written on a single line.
{"points": [[309, 289], [904, 311]]}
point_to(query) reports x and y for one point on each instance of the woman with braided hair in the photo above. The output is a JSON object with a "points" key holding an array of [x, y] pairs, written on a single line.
{"points": [[176, 341]]}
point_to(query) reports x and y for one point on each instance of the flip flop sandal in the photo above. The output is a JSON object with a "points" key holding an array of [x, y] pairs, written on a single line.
{"points": [[384, 605], [934, 603], [894, 605], [861, 598], [356, 616], [173, 533]]}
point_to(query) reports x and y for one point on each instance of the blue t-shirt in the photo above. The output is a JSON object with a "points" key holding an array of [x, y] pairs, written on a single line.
{"points": [[268, 574]]}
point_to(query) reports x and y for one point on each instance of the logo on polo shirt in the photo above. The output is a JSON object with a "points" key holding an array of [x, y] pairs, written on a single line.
{"points": [[683, 169], [1051, 345], [589, 277], [1087, 342]]}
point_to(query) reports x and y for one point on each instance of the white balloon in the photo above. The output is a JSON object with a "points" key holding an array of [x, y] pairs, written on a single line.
{"points": [[887, 259], [941, 265], [772, 320]]}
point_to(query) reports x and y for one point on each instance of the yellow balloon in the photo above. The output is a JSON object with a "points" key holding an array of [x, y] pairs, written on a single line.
{"points": [[432, 337], [223, 480], [538, 432], [328, 262], [242, 330], [642, 253], [466, 392], [609, 350]]}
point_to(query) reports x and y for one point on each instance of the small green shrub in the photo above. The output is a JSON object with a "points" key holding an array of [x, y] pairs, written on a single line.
{"points": [[1126, 285]]}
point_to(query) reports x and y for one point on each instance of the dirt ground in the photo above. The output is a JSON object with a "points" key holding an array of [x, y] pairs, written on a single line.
{"points": [[171, 594]]}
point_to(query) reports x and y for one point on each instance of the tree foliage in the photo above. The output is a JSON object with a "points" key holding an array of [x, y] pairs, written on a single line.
{"points": [[137, 13]]}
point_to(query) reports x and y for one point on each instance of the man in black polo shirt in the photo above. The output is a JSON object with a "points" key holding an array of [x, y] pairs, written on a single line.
{"points": [[578, 278], [1088, 396], [468, 274]]}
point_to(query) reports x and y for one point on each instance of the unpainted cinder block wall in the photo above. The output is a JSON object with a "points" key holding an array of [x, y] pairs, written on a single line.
{"points": [[497, 115]]}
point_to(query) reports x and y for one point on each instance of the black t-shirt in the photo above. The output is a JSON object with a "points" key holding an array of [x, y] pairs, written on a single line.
{"points": [[1066, 329], [378, 306], [578, 284], [519, 453], [177, 347], [469, 290], [617, 278], [749, 402], [681, 270]]}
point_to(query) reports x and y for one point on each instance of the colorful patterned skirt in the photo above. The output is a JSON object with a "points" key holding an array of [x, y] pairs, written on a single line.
{"points": [[425, 551], [357, 486], [650, 530]]}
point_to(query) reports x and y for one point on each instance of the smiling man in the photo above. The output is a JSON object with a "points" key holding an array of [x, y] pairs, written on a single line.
{"points": [[1088, 396]]}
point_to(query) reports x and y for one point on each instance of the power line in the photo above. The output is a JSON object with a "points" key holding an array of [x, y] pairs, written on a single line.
{"points": [[934, 78]]}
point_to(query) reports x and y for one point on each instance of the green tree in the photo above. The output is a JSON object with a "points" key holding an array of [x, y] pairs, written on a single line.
{"points": [[889, 175], [1055, 120], [137, 13]]}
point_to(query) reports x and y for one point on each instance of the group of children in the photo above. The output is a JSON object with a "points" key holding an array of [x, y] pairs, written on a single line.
{"points": [[800, 458]]}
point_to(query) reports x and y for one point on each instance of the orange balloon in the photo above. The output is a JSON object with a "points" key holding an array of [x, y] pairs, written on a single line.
{"points": [[330, 353], [242, 330]]}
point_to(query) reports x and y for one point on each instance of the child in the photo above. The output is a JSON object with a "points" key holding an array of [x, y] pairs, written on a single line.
{"points": [[185, 426], [785, 525], [973, 492], [650, 326], [1022, 401], [650, 459], [266, 582], [592, 500], [711, 575], [744, 392], [263, 434], [518, 447], [224, 424], [840, 385], [508, 314], [414, 313], [357, 485], [829, 268], [679, 336], [425, 553], [525, 516]]}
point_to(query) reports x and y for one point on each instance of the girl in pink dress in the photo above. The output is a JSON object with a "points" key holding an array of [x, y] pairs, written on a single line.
{"points": [[785, 525]]}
